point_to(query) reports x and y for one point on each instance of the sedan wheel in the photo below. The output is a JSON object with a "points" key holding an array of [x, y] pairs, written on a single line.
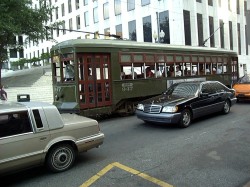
{"points": [[226, 107], [60, 158], [185, 118]]}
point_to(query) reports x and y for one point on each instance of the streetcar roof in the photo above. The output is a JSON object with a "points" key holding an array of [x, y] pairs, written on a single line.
{"points": [[105, 43]]}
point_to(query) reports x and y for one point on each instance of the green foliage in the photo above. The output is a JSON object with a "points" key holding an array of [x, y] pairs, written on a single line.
{"points": [[22, 17], [20, 63], [45, 56]]}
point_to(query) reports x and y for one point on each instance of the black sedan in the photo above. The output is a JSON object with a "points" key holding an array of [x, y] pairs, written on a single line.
{"points": [[185, 101]]}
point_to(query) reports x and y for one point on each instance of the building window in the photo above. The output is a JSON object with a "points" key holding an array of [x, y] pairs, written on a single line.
{"points": [[95, 15], [200, 29], [70, 24], [56, 12], [132, 30], [13, 53], [21, 53], [222, 44], [229, 5], [211, 31], [69, 6], [117, 5], [210, 2], [239, 39], [199, 1], [131, 5], [147, 29], [246, 39], [106, 11], [145, 2], [231, 35], [63, 26], [238, 6], [118, 29], [77, 4], [63, 10], [164, 26], [20, 40], [78, 22], [86, 18], [187, 27], [85, 2]]}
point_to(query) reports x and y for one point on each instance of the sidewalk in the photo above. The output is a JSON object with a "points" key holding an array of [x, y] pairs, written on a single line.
{"points": [[37, 82]]}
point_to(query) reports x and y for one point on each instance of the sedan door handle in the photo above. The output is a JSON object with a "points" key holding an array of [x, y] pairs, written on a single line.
{"points": [[43, 138]]}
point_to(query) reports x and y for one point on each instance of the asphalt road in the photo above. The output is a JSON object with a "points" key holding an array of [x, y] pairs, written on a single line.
{"points": [[212, 152]]}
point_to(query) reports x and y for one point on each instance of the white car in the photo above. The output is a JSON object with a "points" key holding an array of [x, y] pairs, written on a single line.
{"points": [[35, 133]]}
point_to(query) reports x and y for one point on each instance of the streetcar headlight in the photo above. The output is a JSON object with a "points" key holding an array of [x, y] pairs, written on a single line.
{"points": [[140, 107], [171, 109]]}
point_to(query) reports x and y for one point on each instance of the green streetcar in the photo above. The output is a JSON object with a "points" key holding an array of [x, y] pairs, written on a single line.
{"points": [[94, 77]]}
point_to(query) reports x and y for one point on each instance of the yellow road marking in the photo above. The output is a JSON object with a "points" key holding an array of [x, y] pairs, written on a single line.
{"points": [[125, 168], [97, 176]]}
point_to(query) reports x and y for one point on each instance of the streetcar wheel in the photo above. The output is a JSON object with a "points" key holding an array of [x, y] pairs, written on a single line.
{"points": [[185, 119], [226, 107], [60, 158]]}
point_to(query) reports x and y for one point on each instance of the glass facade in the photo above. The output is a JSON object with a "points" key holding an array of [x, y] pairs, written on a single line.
{"points": [[239, 39], [231, 35], [200, 29], [211, 31], [118, 29], [145, 2], [147, 29], [164, 26], [222, 42], [95, 15], [187, 27], [106, 11], [131, 5], [117, 4], [132, 30], [86, 18]]}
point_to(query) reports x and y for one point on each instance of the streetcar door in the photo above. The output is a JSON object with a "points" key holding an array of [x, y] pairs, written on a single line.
{"points": [[94, 80]]}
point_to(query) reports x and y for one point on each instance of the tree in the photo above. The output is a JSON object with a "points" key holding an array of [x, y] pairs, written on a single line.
{"points": [[46, 57], [21, 17], [20, 63]]}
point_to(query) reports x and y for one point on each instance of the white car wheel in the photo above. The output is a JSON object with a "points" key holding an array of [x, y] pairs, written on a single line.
{"points": [[61, 158]]}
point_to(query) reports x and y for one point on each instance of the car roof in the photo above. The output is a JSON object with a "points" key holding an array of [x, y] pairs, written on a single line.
{"points": [[6, 106], [196, 82]]}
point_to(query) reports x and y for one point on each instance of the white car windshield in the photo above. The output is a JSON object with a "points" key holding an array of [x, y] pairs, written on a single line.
{"points": [[245, 79]]}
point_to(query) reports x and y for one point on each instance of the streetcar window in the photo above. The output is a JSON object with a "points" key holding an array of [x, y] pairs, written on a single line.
{"points": [[56, 68], [81, 68], [225, 66], [68, 70]]}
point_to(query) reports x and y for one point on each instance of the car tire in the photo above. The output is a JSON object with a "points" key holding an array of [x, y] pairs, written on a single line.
{"points": [[226, 107], [60, 158], [185, 119]]}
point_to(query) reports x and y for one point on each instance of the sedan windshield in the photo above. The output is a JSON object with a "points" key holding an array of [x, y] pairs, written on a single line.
{"points": [[244, 79], [183, 90]]}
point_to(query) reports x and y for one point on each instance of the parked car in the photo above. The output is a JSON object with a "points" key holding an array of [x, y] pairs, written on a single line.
{"points": [[242, 88], [35, 133], [185, 101]]}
